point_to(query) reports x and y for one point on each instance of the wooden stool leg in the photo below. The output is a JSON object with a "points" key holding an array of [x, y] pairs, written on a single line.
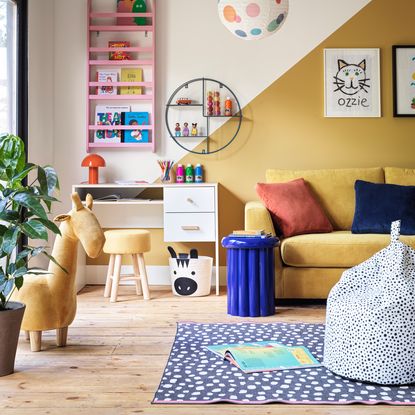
{"points": [[27, 334], [110, 273], [116, 278], [136, 274], [143, 274], [35, 341], [61, 336]]}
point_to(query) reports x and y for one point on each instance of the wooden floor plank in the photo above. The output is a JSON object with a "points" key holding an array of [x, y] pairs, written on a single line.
{"points": [[116, 355]]}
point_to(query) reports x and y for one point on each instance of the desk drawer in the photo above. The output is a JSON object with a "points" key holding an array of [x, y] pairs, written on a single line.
{"points": [[189, 199], [189, 227]]}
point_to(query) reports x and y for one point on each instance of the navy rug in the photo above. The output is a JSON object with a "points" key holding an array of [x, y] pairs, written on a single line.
{"points": [[195, 375]]}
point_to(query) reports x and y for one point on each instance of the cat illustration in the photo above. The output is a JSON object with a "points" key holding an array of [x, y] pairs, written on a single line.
{"points": [[350, 78]]}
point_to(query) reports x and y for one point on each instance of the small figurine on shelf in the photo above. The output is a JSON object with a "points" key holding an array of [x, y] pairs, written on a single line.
{"points": [[216, 103], [228, 107], [183, 101], [209, 104], [194, 129], [186, 131], [177, 130]]}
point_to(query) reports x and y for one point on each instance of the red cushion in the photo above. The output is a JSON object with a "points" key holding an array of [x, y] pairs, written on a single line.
{"points": [[293, 208]]}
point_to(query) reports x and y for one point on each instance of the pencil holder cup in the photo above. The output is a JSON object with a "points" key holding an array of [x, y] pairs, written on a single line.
{"points": [[169, 178]]}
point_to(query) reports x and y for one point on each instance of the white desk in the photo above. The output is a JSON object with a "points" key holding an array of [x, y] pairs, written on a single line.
{"points": [[186, 212]]}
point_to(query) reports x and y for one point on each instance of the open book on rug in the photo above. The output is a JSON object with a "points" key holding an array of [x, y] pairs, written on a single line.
{"points": [[265, 356]]}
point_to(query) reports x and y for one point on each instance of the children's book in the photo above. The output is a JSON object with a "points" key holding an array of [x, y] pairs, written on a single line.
{"points": [[108, 77], [109, 115], [136, 119], [131, 75], [265, 356], [119, 55]]}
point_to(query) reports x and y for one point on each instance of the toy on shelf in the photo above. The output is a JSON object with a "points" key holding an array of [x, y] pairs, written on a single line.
{"points": [[186, 131], [183, 101], [177, 130], [131, 6], [166, 170], [194, 129], [228, 107], [216, 103], [209, 104]]}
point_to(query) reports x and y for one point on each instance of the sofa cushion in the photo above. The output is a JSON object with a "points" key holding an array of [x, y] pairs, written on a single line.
{"points": [[333, 188], [398, 175], [377, 205], [293, 208], [339, 249]]}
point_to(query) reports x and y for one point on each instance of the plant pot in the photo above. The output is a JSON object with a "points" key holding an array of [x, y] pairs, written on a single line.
{"points": [[10, 322]]}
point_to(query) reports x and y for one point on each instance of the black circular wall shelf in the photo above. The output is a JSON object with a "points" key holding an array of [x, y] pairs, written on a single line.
{"points": [[208, 145]]}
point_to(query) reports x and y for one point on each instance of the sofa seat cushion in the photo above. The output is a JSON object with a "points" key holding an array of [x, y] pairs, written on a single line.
{"points": [[339, 249]]}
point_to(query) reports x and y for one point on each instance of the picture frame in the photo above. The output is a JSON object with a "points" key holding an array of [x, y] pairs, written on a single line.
{"points": [[352, 82], [403, 70]]}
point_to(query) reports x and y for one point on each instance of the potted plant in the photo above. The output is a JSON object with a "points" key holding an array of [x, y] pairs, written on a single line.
{"points": [[23, 213]]}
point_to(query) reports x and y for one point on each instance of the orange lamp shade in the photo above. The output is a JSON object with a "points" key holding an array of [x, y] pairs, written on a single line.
{"points": [[93, 161]]}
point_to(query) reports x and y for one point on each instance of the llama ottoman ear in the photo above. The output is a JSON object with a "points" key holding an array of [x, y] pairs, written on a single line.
{"points": [[194, 254]]}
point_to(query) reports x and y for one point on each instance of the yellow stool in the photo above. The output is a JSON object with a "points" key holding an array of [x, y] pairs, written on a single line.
{"points": [[121, 242]]}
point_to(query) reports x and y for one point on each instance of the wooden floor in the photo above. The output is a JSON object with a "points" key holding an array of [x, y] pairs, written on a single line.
{"points": [[116, 354]]}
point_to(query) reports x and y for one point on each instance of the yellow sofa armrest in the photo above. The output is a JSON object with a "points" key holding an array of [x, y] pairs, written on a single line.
{"points": [[258, 217]]}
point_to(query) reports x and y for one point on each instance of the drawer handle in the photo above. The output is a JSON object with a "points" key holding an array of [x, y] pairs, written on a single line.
{"points": [[190, 200], [190, 228]]}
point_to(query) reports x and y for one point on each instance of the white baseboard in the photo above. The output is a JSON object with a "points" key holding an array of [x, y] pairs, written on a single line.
{"points": [[157, 275]]}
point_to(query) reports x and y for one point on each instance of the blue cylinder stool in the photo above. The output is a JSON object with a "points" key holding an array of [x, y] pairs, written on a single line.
{"points": [[251, 275]]}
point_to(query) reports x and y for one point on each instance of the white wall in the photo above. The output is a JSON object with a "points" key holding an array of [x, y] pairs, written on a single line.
{"points": [[191, 42]]}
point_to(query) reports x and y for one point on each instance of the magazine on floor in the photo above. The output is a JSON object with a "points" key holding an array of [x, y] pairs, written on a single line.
{"points": [[265, 356]]}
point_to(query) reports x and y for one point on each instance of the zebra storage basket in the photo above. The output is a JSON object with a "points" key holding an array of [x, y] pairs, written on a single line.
{"points": [[190, 274], [370, 322]]}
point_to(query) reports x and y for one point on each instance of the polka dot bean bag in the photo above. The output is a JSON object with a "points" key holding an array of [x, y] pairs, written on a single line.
{"points": [[370, 322]]}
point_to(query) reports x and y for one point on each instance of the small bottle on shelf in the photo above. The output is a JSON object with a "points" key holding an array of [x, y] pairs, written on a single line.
{"points": [[180, 174], [228, 107], [189, 174], [216, 103], [209, 104], [198, 173]]}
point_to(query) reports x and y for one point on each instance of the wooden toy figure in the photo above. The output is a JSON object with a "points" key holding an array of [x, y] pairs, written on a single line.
{"points": [[186, 131], [194, 129], [177, 130]]}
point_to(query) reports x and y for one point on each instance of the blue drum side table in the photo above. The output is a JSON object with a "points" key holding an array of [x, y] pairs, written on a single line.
{"points": [[251, 275]]}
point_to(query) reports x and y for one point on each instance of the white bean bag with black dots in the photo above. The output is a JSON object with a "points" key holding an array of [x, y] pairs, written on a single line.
{"points": [[370, 322]]}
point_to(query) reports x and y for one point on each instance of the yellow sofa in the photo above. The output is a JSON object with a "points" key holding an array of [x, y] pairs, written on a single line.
{"points": [[307, 266]]}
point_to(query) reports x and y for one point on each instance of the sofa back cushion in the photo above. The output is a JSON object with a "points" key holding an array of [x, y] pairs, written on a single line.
{"points": [[333, 188], [401, 176]]}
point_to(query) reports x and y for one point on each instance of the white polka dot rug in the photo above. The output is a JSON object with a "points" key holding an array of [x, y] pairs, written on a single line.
{"points": [[194, 375]]}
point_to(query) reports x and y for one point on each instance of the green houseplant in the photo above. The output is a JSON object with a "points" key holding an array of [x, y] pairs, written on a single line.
{"points": [[23, 212]]}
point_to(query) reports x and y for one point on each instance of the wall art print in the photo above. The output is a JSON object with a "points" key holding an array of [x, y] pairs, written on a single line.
{"points": [[403, 57], [351, 83]]}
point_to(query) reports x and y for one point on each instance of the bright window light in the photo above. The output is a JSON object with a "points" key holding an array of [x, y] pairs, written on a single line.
{"points": [[7, 66]]}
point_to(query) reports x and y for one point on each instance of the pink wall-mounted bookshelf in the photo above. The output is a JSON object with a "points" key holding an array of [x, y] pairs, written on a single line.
{"points": [[104, 27]]}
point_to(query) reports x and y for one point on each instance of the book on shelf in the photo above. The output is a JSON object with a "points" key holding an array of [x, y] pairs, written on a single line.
{"points": [[265, 356], [131, 6], [109, 115], [131, 75], [119, 55], [251, 234], [136, 135], [108, 77]]}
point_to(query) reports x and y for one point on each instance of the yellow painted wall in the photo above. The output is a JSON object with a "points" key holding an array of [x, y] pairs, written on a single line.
{"points": [[284, 126]]}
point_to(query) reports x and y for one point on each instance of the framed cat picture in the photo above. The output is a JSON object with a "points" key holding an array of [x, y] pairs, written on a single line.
{"points": [[403, 61], [351, 83]]}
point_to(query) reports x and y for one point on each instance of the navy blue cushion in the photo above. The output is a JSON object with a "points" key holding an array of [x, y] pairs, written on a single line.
{"points": [[377, 205]]}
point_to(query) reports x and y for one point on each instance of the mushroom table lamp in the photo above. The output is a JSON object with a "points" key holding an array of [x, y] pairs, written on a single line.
{"points": [[93, 161]]}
